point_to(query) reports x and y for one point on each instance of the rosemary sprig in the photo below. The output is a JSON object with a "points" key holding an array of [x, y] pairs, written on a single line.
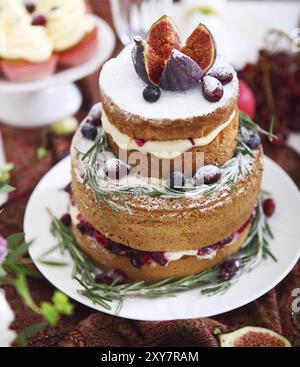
{"points": [[253, 251]]}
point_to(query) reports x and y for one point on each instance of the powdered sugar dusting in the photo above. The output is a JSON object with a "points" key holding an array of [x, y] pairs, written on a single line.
{"points": [[210, 84], [120, 82]]}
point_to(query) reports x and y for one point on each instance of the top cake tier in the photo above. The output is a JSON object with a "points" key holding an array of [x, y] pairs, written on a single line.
{"points": [[176, 115]]}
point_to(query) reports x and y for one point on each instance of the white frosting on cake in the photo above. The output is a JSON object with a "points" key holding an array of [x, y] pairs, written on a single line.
{"points": [[120, 82], [161, 149]]}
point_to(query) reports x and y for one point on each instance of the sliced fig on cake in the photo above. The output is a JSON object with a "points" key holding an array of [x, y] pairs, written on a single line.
{"points": [[253, 337], [180, 73], [161, 39], [138, 58], [201, 47]]}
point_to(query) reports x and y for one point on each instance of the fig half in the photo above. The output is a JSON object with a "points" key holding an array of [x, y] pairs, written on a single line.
{"points": [[250, 336], [180, 73], [161, 39], [137, 55], [201, 47]]}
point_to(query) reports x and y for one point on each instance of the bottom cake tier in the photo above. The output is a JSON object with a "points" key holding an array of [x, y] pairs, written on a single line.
{"points": [[149, 266]]}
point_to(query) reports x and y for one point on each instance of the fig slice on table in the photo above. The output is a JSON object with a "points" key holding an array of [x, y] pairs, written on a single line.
{"points": [[251, 336], [161, 39], [201, 47], [180, 73], [137, 55]]}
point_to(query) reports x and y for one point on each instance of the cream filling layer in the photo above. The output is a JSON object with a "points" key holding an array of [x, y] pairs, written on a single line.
{"points": [[161, 149], [170, 256]]}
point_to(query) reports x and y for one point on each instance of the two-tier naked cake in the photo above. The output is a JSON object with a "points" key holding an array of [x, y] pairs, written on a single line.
{"points": [[164, 178]]}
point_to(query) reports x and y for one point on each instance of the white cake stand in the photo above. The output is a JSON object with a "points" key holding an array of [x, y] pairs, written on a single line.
{"points": [[47, 100]]}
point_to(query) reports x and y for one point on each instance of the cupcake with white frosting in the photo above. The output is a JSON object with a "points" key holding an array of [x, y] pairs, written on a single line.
{"points": [[25, 50], [70, 29]]}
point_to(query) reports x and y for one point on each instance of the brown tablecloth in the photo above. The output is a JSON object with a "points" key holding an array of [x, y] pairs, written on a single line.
{"points": [[89, 328]]}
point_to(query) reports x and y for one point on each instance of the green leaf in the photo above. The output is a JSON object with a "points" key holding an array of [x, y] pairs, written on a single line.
{"points": [[41, 152], [53, 263], [22, 289], [50, 313], [14, 239], [18, 252], [3, 273], [28, 332], [5, 188], [62, 303]]}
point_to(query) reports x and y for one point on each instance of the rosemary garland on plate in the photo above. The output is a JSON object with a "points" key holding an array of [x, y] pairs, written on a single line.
{"points": [[208, 282], [111, 193]]}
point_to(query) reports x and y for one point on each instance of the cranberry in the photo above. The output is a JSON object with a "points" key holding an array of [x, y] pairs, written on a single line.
{"points": [[99, 238], [85, 229], [145, 258], [229, 268], [159, 258], [269, 207], [30, 6], [117, 248], [176, 180], [115, 169], [110, 276], [66, 220], [39, 20], [281, 137], [207, 174], [140, 142], [212, 89], [68, 188], [95, 114], [192, 141], [223, 74]]}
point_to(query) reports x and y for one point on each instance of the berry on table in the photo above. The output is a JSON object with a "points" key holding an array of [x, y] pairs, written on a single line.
{"points": [[176, 180], [151, 93], [212, 89]]}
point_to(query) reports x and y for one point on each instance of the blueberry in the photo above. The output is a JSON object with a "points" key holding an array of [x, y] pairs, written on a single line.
{"points": [[135, 259], [207, 175], [253, 141], [176, 180], [151, 93], [89, 131]]}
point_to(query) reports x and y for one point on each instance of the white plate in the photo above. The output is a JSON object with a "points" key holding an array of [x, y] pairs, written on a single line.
{"points": [[188, 304], [107, 43]]}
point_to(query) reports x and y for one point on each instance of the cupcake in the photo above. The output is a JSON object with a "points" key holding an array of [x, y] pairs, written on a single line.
{"points": [[26, 52], [71, 30]]}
